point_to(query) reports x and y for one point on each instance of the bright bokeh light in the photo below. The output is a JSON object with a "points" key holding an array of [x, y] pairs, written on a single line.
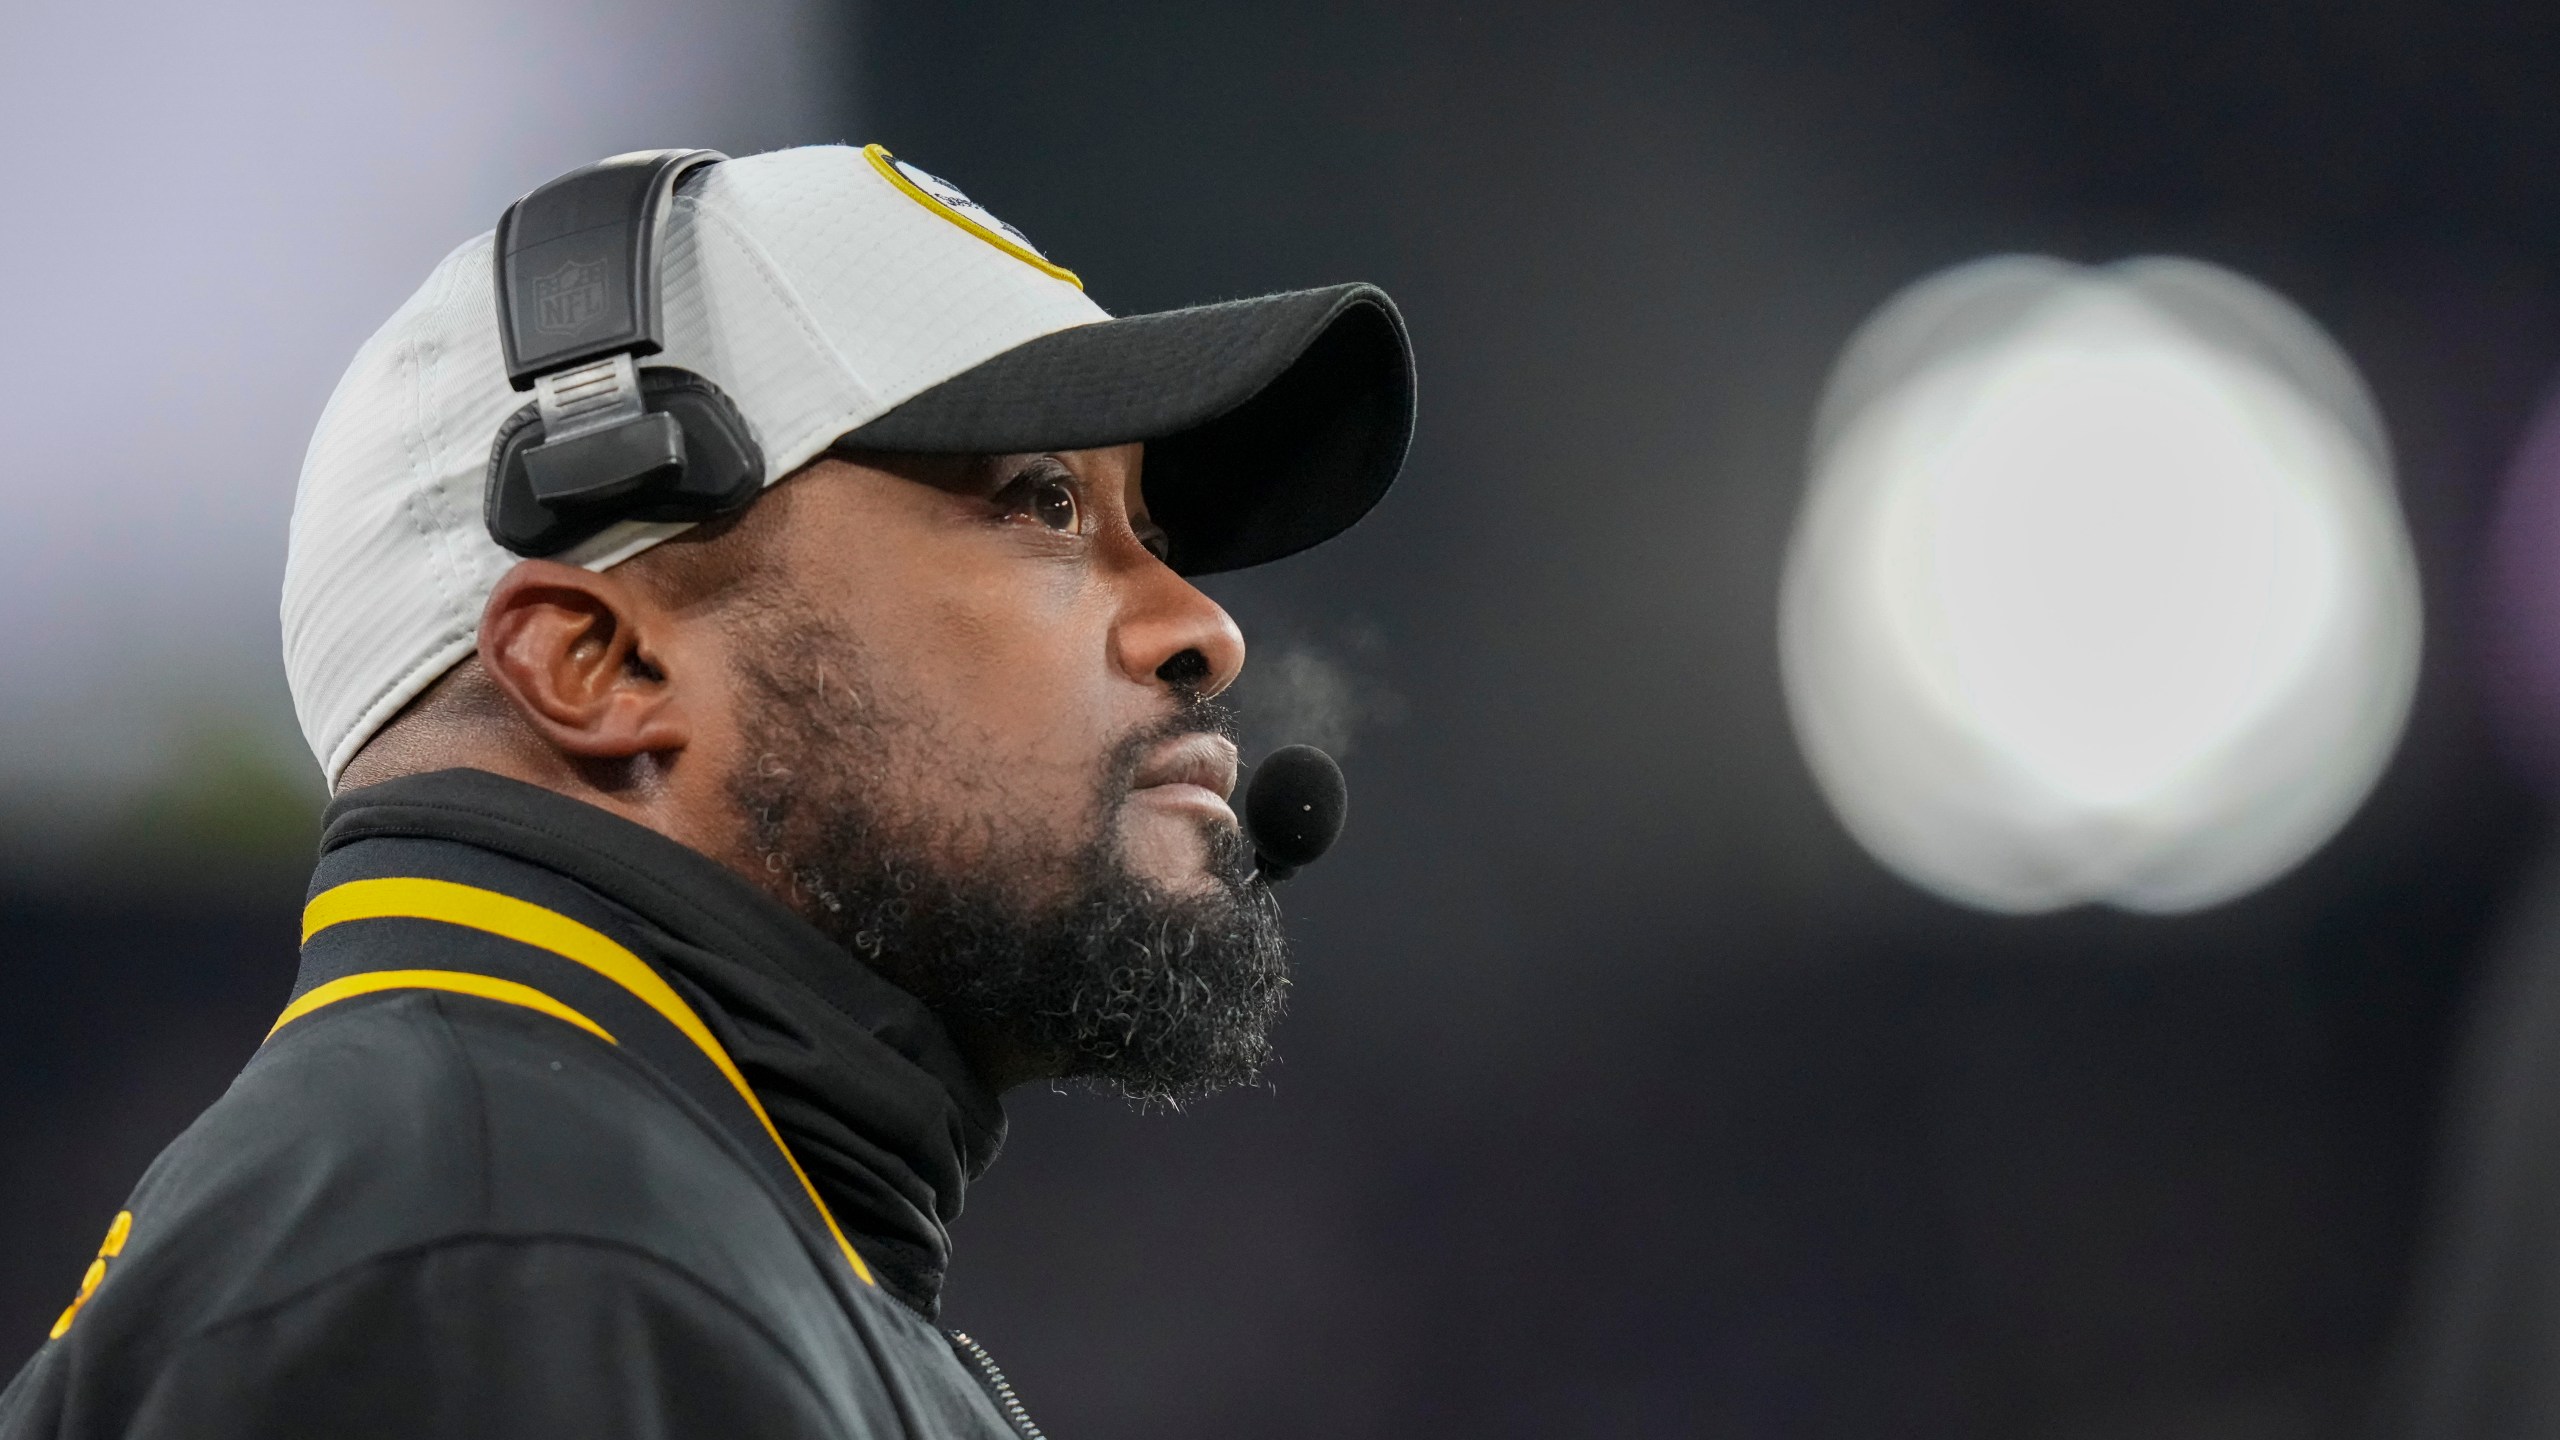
{"points": [[2100, 591]]}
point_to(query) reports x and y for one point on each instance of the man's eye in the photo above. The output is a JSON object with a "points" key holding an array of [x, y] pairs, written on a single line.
{"points": [[1053, 503]]}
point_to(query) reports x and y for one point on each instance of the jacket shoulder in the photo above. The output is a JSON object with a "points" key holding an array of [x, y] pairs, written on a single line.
{"points": [[450, 1169], [395, 1121], [474, 1336]]}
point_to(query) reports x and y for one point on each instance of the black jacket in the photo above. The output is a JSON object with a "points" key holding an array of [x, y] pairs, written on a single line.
{"points": [[568, 1131]]}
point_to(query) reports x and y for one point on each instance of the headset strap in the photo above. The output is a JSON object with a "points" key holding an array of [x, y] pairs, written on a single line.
{"points": [[577, 273], [577, 263]]}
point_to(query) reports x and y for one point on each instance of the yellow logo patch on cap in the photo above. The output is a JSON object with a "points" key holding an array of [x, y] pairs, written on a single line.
{"points": [[948, 201]]}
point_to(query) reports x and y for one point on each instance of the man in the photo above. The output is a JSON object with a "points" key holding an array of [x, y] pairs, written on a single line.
{"points": [[692, 890]]}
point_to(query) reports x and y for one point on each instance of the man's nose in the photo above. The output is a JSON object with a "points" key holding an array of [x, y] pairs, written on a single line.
{"points": [[1171, 634]]}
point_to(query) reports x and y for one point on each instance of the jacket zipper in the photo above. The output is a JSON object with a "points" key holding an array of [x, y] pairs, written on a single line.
{"points": [[998, 1389]]}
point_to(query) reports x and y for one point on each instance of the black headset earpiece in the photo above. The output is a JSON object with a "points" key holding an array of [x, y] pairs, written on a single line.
{"points": [[578, 306]]}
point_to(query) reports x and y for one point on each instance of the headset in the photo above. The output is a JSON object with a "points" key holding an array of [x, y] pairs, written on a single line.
{"points": [[579, 304]]}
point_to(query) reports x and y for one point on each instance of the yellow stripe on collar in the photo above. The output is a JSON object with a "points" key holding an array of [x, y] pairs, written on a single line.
{"points": [[460, 982], [520, 920]]}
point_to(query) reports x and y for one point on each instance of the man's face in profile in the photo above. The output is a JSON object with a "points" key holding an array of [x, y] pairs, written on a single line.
{"points": [[975, 740]]}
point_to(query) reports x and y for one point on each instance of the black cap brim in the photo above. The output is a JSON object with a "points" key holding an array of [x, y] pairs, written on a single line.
{"points": [[1271, 424]]}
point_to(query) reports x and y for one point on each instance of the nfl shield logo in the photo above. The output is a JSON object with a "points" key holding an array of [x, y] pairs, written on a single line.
{"points": [[568, 298]]}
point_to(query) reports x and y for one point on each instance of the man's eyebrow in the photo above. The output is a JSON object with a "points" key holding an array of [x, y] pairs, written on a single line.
{"points": [[995, 471]]}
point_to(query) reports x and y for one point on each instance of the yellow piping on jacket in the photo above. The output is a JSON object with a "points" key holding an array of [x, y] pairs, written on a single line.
{"points": [[521, 920]]}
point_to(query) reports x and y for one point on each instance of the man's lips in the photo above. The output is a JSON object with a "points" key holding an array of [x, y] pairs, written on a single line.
{"points": [[1189, 771]]}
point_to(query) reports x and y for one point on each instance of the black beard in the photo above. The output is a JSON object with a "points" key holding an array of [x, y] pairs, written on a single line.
{"points": [[1114, 981]]}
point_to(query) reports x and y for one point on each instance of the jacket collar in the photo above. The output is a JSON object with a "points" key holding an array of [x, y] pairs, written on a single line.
{"points": [[863, 1082]]}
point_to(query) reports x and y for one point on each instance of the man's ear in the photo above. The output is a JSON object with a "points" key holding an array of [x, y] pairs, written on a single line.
{"points": [[577, 654]]}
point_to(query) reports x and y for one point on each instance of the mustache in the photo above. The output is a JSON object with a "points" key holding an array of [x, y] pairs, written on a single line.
{"points": [[1197, 715]]}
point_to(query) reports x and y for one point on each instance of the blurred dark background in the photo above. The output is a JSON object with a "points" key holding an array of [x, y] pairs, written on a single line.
{"points": [[1623, 1094]]}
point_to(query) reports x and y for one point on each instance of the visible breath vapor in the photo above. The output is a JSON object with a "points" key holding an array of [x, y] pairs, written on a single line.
{"points": [[1306, 695]]}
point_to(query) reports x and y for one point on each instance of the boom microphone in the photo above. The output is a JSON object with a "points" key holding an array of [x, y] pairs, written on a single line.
{"points": [[1294, 809]]}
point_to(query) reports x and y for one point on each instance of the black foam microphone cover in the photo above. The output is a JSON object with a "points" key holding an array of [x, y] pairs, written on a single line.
{"points": [[1294, 809]]}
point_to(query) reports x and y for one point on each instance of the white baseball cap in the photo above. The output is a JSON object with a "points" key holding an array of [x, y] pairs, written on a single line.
{"points": [[838, 296]]}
